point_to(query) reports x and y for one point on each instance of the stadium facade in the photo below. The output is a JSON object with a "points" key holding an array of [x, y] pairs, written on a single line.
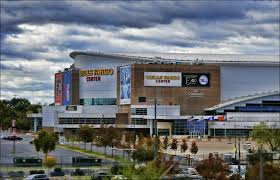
{"points": [[166, 94]]}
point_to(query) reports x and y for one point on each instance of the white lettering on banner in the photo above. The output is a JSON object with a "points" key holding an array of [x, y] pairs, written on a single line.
{"points": [[195, 93], [162, 79]]}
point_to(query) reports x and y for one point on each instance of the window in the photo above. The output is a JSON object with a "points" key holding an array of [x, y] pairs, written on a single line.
{"points": [[86, 120], [141, 99], [139, 111], [139, 121], [98, 101], [163, 132]]}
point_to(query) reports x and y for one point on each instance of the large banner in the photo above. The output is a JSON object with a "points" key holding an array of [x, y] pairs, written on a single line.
{"points": [[167, 79], [195, 79], [125, 85], [98, 83], [67, 88], [58, 89]]}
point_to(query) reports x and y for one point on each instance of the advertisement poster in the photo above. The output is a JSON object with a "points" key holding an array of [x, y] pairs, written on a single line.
{"points": [[67, 88], [58, 89], [167, 79], [125, 83], [195, 79]]}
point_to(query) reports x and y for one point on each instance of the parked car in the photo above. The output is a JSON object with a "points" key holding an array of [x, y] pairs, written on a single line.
{"points": [[14, 138], [37, 177], [3, 137], [100, 175]]}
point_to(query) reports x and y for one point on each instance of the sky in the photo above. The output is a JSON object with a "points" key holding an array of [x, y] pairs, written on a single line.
{"points": [[37, 36]]}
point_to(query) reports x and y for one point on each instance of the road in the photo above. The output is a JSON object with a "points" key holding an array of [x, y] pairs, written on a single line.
{"points": [[25, 149]]}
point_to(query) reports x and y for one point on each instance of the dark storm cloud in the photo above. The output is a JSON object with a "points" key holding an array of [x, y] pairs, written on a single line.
{"points": [[37, 36], [138, 14]]}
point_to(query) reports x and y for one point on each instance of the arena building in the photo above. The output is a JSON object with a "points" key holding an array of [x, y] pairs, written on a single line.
{"points": [[166, 94]]}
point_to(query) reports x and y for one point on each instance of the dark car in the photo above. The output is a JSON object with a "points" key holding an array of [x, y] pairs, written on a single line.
{"points": [[100, 175], [14, 138]]}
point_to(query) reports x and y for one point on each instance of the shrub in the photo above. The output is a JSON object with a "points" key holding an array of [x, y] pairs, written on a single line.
{"points": [[194, 148], [78, 172], [117, 169], [50, 161], [36, 172]]}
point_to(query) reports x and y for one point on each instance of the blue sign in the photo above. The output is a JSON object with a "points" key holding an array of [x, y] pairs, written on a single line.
{"points": [[67, 88], [125, 85]]}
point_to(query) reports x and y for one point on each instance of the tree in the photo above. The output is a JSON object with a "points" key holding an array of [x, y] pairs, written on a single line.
{"points": [[46, 142], [174, 144], [86, 134], [144, 150], [105, 136], [194, 148], [271, 172], [184, 145], [267, 136], [165, 143], [213, 168]]}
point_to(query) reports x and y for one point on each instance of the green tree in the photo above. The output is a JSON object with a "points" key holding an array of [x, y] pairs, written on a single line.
{"points": [[46, 142], [174, 144], [105, 136], [184, 145], [271, 172], [144, 150], [267, 136], [165, 143], [194, 148], [86, 134]]}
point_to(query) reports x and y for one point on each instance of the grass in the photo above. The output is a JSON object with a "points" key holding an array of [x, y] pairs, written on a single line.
{"points": [[93, 153]]}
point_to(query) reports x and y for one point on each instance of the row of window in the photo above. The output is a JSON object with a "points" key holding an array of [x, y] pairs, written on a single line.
{"points": [[98, 101], [139, 121], [230, 132], [189, 127], [86, 121], [139, 111]]}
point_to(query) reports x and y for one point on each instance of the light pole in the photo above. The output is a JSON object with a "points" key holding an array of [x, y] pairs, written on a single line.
{"points": [[155, 120]]}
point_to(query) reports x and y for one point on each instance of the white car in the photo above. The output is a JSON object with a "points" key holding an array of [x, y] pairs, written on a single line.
{"points": [[37, 177]]}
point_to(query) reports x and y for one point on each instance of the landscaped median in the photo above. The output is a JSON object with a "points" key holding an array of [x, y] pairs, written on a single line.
{"points": [[93, 153]]}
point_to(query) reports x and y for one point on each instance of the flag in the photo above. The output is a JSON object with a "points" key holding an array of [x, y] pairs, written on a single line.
{"points": [[210, 118], [221, 118]]}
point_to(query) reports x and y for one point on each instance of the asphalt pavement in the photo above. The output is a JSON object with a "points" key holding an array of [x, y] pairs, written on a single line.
{"points": [[24, 149]]}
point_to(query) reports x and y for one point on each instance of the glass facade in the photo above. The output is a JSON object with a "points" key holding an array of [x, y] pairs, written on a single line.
{"points": [[139, 111], [163, 132], [98, 101], [86, 120], [139, 121], [185, 127], [230, 132]]}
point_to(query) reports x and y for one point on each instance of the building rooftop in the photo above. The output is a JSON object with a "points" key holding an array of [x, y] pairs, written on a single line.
{"points": [[241, 99], [189, 58]]}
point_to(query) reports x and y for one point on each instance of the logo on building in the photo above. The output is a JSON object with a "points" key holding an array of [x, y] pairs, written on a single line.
{"points": [[203, 80]]}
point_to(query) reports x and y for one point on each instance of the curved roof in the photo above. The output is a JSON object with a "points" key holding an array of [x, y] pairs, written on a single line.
{"points": [[184, 57], [241, 99]]}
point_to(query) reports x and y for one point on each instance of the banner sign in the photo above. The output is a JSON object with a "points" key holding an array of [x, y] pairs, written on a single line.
{"points": [[58, 88], [95, 74], [167, 79], [125, 85], [196, 79], [67, 88]]}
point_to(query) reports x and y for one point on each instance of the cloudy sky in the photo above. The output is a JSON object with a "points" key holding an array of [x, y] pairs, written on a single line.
{"points": [[37, 36]]}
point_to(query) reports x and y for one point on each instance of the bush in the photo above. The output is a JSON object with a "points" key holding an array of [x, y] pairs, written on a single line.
{"points": [[235, 177], [117, 169], [57, 170], [37, 172], [13, 174], [50, 161], [78, 172]]}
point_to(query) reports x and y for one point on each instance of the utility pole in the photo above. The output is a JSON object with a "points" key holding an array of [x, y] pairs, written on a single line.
{"points": [[155, 120], [239, 159], [261, 163]]}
